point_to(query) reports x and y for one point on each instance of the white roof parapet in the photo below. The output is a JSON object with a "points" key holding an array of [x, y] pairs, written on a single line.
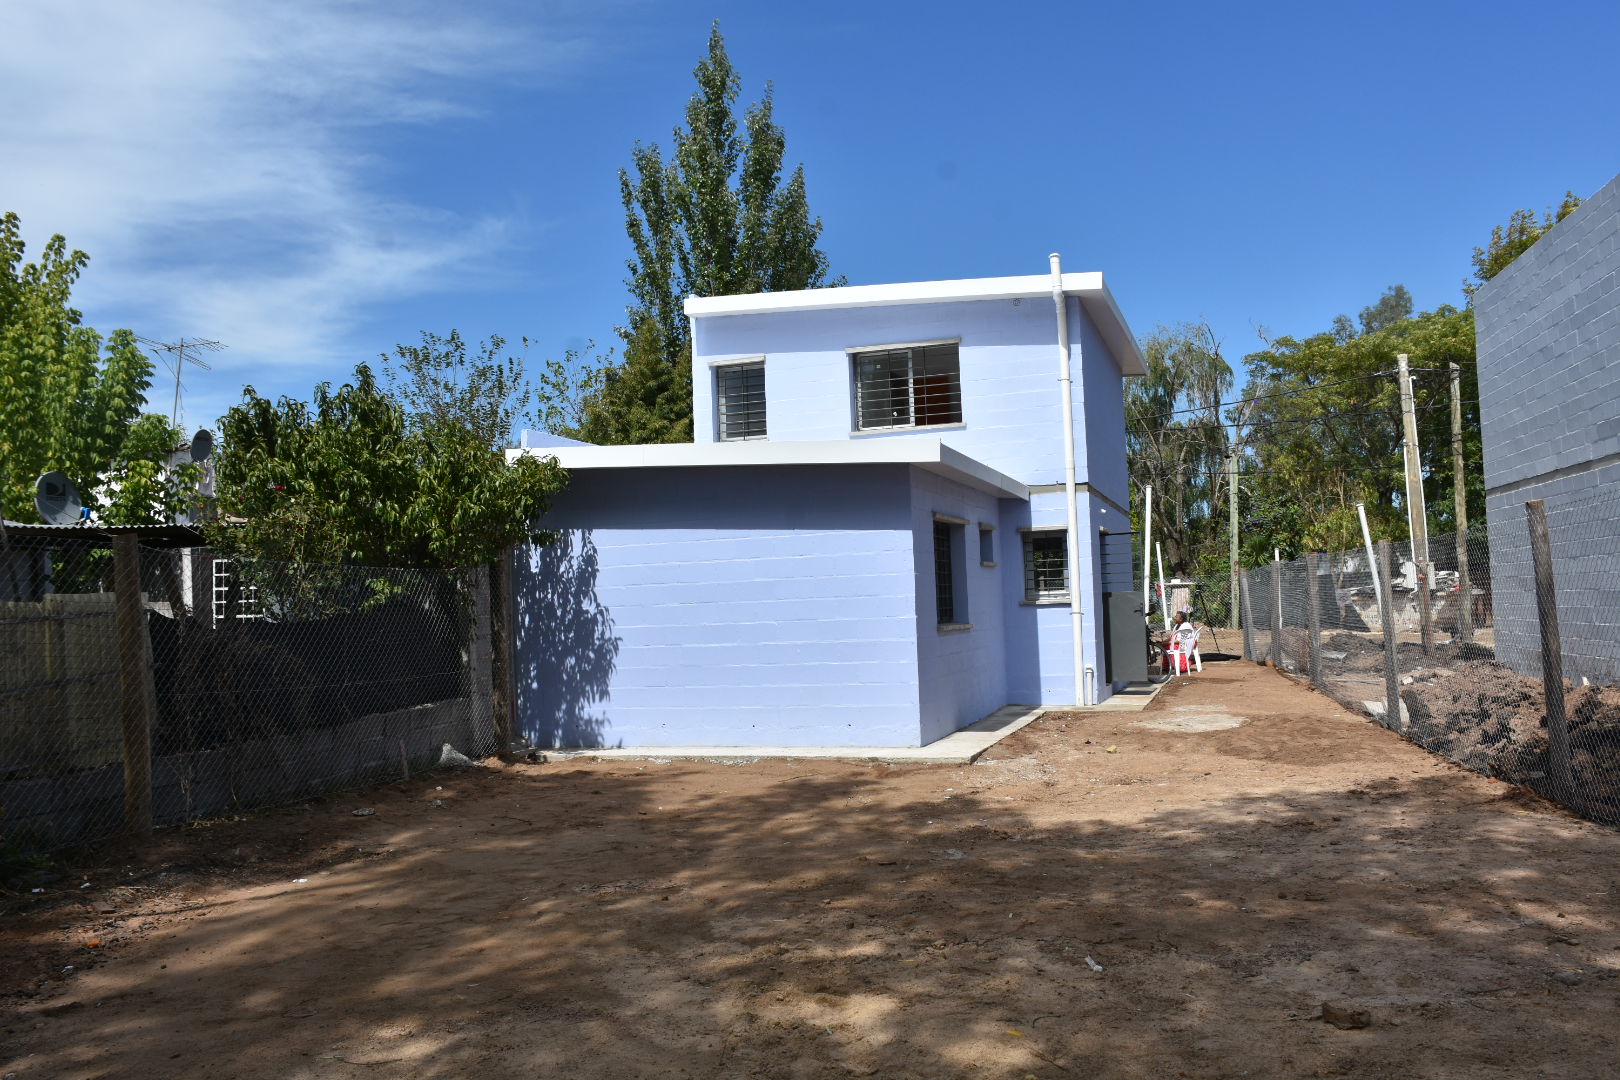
{"points": [[931, 455], [1089, 287]]}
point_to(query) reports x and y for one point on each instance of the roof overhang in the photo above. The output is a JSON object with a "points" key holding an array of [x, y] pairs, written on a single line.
{"points": [[930, 455], [1088, 287], [152, 536]]}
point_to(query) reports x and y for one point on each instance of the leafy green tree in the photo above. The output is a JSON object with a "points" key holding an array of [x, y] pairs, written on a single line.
{"points": [[355, 477], [716, 218], [1326, 433], [1176, 441], [1391, 308], [68, 396], [1509, 241], [444, 381], [148, 488]]}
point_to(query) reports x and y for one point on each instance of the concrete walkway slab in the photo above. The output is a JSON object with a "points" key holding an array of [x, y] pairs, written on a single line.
{"points": [[958, 748]]}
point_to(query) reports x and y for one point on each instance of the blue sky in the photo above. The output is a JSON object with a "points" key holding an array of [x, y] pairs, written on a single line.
{"points": [[312, 182]]}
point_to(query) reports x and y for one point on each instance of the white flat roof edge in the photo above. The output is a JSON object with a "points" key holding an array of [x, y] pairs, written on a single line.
{"points": [[928, 454], [1089, 287]]}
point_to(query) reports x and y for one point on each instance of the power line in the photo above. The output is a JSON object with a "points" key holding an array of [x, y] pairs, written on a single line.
{"points": [[1281, 393]]}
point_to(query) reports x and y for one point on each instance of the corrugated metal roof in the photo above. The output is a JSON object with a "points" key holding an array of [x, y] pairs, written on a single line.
{"points": [[155, 536]]}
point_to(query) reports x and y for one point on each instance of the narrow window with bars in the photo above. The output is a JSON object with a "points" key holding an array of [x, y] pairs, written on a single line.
{"points": [[1046, 565], [739, 393], [915, 386], [944, 573]]}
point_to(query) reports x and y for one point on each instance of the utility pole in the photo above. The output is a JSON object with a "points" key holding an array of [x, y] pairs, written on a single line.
{"points": [[1416, 506], [1465, 599]]}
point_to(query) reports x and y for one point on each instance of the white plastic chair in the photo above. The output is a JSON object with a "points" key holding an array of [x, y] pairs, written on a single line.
{"points": [[1184, 644]]}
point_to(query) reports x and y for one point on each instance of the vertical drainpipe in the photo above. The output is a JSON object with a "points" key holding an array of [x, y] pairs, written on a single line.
{"points": [[1066, 385]]}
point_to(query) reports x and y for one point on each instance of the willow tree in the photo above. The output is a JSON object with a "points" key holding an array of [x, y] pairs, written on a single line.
{"points": [[717, 217], [1176, 441]]}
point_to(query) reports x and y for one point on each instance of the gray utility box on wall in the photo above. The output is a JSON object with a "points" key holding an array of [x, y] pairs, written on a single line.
{"points": [[1125, 628]]}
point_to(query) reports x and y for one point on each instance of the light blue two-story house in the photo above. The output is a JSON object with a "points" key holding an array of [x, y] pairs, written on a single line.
{"points": [[875, 540]]}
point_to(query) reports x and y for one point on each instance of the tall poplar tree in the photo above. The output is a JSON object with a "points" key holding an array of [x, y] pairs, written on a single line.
{"points": [[70, 399], [716, 218]]}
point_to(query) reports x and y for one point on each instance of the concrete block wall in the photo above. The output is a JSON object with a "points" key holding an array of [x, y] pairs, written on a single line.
{"points": [[723, 607], [1011, 408], [1548, 335]]}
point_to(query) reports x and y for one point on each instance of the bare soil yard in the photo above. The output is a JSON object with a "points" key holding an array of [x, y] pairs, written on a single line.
{"points": [[1100, 897]]}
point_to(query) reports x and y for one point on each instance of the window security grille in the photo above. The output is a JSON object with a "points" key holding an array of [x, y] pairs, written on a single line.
{"points": [[740, 392], [944, 583], [1046, 570], [247, 596], [911, 387]]}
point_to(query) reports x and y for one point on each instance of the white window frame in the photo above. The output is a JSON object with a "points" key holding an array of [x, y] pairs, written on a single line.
{"points": [[855, 355], [719, 367]]}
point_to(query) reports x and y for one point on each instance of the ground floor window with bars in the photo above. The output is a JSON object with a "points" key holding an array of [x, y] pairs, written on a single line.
{"points": [[950, 572], [909, 386], [739, 394], [1046, 565]]}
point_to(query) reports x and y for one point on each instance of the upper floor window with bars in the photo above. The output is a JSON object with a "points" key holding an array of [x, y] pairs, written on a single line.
{"points": [[907, 386], [739, 394]]}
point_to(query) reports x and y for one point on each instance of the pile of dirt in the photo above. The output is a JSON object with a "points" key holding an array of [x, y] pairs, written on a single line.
{"points": [[1490, 718], [1362, 653]]}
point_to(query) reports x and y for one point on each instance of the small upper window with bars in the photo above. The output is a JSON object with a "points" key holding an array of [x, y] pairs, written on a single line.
{"points": [[914, 386], [739, 393]]}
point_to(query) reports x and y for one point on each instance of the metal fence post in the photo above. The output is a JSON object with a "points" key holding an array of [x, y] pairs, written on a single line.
{"points": [[1552, 653], [1246, 604], [1276, 610], [137, 689], [1313, 615], [1386, 615]]}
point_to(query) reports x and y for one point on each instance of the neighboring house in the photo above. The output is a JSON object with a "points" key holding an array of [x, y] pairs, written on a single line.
{"points": [[866, 545], [1548, 331]]}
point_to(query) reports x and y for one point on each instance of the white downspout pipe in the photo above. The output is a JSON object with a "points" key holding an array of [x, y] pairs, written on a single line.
{"points": [[1147, 550], [1071, 494]]}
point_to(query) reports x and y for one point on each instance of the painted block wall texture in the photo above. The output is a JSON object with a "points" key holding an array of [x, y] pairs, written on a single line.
{"points": [[1549, 349], [961, 674], [1011, 409], [723, 607], [1549, 361], [1104, 426], [1039, 637], [1583, 526]]}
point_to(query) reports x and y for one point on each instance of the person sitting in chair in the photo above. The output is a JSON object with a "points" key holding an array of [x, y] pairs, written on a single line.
{"points": [[1184, 643]]}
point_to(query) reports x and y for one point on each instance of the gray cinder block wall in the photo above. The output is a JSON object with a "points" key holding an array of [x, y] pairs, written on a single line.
{"points": [[1548, 334]]}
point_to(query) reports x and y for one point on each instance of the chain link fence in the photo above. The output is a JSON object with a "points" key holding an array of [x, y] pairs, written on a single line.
{"points": [[143, 686], [1453, 658]]}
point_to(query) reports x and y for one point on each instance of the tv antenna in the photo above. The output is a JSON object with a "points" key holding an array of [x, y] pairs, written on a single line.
{"points": [[178, 359]]}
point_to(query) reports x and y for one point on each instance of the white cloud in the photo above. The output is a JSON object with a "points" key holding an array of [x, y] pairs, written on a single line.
{"points": [[217, 158]]}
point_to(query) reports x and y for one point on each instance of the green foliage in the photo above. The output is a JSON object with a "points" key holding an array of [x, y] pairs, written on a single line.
{"points": [[715, 219], [1394, 306], [148, 490], [1175, 439], [442, 381], [68, 397], [1326, 434], [354, 477], [1510, 241]]}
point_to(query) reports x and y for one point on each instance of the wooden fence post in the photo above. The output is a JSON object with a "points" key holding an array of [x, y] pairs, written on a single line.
{"points": [[1552, 653], [1465, 592], [1392, 672], [1313, 614], [503, 676], [136, 686]]}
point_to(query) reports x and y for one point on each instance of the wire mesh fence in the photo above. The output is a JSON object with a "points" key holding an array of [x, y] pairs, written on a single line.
{"points": [[143, 686], [1450, 650]]}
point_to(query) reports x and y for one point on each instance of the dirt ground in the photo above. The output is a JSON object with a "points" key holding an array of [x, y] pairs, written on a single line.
{"points": [[1096, 898]]}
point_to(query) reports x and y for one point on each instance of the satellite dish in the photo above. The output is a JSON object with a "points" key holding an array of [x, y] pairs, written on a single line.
{"points": [[202, 444], [57, 499]]}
